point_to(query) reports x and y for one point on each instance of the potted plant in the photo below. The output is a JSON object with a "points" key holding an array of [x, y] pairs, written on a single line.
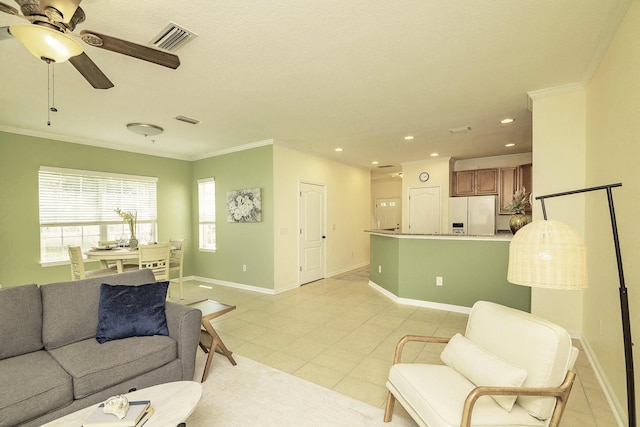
{"points": [[521, 199]]}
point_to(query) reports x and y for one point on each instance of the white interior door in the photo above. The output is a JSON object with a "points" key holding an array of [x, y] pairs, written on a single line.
{"points": [[312, 234], [388, 212], [424, 210]]}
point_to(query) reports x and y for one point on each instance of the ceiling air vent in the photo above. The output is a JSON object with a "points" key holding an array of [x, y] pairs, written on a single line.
{"points": [[172, 37], [385, 166], [188, 120]]}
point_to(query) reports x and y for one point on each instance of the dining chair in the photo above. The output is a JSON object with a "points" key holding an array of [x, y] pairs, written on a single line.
{"points": [[78, 270], [176, 261], [156, 258]]}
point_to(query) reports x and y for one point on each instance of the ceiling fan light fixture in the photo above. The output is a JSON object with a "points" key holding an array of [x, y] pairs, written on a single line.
{"points": [[46, 43], [145, 129], [59, 10]]}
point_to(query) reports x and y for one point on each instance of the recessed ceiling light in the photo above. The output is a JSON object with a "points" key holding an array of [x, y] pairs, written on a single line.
{"points": [[338, 149], [507, 120], [374, 163], [408, 137], [435, 154], [511, 144]]}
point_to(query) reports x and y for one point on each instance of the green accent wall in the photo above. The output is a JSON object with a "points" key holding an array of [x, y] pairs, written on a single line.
{"points": [[472, 270], [20, 158], [238, 244]]}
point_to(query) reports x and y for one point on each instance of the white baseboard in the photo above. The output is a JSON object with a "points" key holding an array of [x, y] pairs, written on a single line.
{"points": [[618, 410], [420, 303], [233, 285]]}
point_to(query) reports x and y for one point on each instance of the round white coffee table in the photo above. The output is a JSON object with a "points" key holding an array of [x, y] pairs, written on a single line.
{"points": [[172, 404]]}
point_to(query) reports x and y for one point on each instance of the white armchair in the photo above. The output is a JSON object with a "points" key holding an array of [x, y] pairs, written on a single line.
{"points": [[510, 368]]}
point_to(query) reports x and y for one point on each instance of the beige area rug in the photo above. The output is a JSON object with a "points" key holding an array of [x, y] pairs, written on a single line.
{"points": [[253, 394]]}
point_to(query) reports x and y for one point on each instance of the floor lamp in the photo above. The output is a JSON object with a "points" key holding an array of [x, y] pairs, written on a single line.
{"points": [[550, 254]]}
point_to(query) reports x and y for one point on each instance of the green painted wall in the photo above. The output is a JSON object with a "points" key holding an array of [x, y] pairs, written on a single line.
{"points": [[251, 244], [20, 158], [472, 270]]}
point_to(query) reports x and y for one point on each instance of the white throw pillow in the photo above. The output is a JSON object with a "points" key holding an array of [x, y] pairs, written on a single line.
{"points": [[483, 368]]}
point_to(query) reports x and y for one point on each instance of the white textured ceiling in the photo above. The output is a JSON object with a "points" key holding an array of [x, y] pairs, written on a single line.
{"points": [[316, 75]]}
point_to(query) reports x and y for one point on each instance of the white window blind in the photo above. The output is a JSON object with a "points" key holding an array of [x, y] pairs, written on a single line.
{"points": [[207, 213], [77, 208]]}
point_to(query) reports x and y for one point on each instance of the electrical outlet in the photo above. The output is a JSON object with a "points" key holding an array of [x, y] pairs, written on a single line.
{"points": [[439, 281], [244, 267], [379, 269]]}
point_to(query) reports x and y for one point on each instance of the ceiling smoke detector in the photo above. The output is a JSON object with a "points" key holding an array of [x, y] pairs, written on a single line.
{"points": [[172, 37]]}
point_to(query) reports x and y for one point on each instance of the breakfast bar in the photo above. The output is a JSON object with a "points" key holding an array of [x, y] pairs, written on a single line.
{"points": [[450, 272]]}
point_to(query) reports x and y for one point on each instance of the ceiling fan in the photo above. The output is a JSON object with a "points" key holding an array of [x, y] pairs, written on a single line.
{"points": [[57, 19]]}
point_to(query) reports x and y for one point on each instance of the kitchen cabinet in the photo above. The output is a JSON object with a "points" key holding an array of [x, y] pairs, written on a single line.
{"points": [[475, 182], [511, 180]]}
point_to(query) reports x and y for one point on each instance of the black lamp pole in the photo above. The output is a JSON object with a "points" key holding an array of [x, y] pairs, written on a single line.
{"points": [[624, 298]]}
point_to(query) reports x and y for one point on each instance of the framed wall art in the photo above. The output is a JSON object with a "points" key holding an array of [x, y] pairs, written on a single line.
{"points": [[244, 205]]}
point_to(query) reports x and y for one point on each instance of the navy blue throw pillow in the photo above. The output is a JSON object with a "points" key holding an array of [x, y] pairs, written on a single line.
{"points": [[131, 311]]}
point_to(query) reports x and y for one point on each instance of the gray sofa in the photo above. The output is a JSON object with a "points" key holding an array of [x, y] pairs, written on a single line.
{"points": [[52, 365]]}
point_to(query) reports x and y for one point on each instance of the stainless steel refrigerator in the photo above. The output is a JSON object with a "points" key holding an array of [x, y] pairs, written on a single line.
{"points": [[473, 215]]}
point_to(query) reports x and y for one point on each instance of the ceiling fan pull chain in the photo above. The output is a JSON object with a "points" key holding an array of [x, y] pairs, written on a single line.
{"points": [[51, 90]]}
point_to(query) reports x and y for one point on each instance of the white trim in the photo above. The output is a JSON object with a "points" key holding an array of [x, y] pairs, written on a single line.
{"points": [[347, 269], [230, 150], [420, 303], [619, 413], [552, 91], [233, 285]]}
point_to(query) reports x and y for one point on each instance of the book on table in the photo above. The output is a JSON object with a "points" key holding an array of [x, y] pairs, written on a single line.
{"points": [[139, 411]]}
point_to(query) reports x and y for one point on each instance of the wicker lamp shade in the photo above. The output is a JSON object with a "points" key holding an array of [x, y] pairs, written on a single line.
{"points": [[547, 254]]}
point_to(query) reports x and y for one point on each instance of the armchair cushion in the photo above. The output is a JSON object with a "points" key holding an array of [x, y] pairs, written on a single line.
{"points": [[129, 311], [483, 368]]}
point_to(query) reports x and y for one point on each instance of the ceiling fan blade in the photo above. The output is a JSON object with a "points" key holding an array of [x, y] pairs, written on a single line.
{"points": [[5, 33], [10, 10], [90, 71], [131, 49]]}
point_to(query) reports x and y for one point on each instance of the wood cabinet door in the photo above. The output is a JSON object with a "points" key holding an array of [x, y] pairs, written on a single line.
{"points": [[508, 183], [525, 179], [487, 181], [464, 183]]}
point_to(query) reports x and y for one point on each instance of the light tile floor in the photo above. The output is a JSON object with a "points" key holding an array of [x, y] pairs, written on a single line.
{"points": [[341, 333]]}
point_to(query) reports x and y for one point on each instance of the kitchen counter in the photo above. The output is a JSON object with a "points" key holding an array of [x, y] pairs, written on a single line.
{"points": [[500, 235], [448, 272]]}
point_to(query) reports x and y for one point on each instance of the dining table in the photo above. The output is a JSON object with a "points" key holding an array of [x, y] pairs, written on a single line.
{"points": [[117, 255]]}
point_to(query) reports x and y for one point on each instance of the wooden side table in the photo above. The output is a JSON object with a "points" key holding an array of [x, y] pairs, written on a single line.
{"points": [[210, 310]]}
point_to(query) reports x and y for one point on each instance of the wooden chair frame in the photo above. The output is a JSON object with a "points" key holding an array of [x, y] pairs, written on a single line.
{"points": [[561, 393]]}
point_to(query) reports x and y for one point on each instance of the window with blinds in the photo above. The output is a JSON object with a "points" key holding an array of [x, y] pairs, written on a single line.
{"points": [[77, 208], [207, 214]]}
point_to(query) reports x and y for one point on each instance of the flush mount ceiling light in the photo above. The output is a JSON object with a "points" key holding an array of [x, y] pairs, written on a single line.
{"points": [[145, 129], [461, 129], [45, 43]]}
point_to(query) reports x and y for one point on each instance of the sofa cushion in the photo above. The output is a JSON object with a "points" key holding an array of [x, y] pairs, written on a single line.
{"points": [[483, 368], [32, 384], [131, 311], [95, 366], [442, 406], [70, 309], [21, 326]]}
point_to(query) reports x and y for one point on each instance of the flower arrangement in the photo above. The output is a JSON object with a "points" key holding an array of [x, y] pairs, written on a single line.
{"points": [[520, 201], [244, 206], [130, 218]]}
